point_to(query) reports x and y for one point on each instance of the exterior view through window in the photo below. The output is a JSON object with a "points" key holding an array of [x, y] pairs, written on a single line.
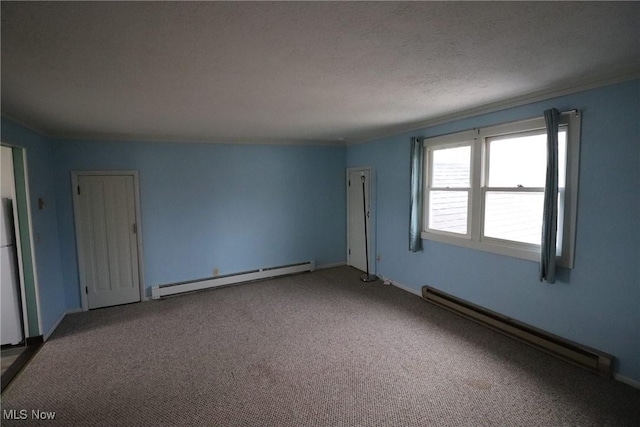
{"points": [[485, 187]]}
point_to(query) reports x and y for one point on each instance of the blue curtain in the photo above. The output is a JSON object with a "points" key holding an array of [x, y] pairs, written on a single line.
{"points": [[550, 212], [415, 220]]}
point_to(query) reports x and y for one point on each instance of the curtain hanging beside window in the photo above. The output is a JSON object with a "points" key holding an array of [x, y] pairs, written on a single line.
{"points": [[415, 220], [550, 210]]}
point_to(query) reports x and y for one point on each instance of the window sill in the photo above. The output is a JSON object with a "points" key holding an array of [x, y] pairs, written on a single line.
{"points": [[488, 246]]}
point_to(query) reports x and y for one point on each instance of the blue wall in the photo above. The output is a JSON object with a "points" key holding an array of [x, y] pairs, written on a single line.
{"points": [[597, 303], [39, 152], [206, 206]]}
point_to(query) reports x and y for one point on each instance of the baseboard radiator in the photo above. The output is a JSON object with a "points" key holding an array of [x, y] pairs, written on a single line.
{"points": [[230, 279], [577, 354]]}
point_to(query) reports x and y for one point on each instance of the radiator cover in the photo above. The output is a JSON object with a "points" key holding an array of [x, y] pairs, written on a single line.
{"points": [[577, 354], [230, 279]]}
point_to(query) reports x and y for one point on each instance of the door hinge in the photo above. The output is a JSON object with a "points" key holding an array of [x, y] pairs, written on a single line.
{"points": [[86, 290], [349, 251], [78, 190], [349, 183], [135, 228]]}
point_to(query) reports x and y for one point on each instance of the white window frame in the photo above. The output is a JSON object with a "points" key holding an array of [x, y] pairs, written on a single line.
{"points": [[428, 185], [475, 238]]}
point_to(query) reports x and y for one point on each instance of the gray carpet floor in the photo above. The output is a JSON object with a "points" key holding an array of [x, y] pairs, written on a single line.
{"points": [[317, 349]]}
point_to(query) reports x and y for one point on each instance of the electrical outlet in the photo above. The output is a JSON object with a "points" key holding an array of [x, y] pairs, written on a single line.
{"points": [[216, 272]]}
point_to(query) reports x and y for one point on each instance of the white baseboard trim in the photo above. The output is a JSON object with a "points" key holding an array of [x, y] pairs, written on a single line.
{"points": [[58, 321], [330, 265], [401, 286], [626, 380]]}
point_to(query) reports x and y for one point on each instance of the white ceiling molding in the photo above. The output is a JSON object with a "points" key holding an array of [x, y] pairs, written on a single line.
{"points": [[186, 139], [500, 105], [391, 131], [25, 124]]}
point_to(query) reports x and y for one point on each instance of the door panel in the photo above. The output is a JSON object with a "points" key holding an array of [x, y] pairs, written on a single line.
{"points": [[106, 229]]}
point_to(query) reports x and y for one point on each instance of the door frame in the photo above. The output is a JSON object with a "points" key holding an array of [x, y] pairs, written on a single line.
{"points": [[33, 328], [371, 229], [76, 216]]}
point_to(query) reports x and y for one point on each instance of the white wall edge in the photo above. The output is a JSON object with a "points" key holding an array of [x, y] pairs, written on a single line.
{"points": [[32, 244], [330, 265], [401, 286], [626, 380], [57, 323]]}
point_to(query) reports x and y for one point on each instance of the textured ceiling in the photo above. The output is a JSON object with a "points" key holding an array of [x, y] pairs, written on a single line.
{"points": [[289, 71]]}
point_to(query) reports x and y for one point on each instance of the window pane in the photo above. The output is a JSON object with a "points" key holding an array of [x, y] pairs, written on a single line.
{"points": [[522, 160], [518, 160], [448, 211], [451, 167], [514, 216]]}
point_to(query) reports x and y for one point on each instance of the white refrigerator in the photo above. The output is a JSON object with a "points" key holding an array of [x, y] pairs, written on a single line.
{"points": [[11, 321]]}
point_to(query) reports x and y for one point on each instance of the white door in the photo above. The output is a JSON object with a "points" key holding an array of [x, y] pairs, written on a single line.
{"points": [[356, 217], [106, 226]]}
